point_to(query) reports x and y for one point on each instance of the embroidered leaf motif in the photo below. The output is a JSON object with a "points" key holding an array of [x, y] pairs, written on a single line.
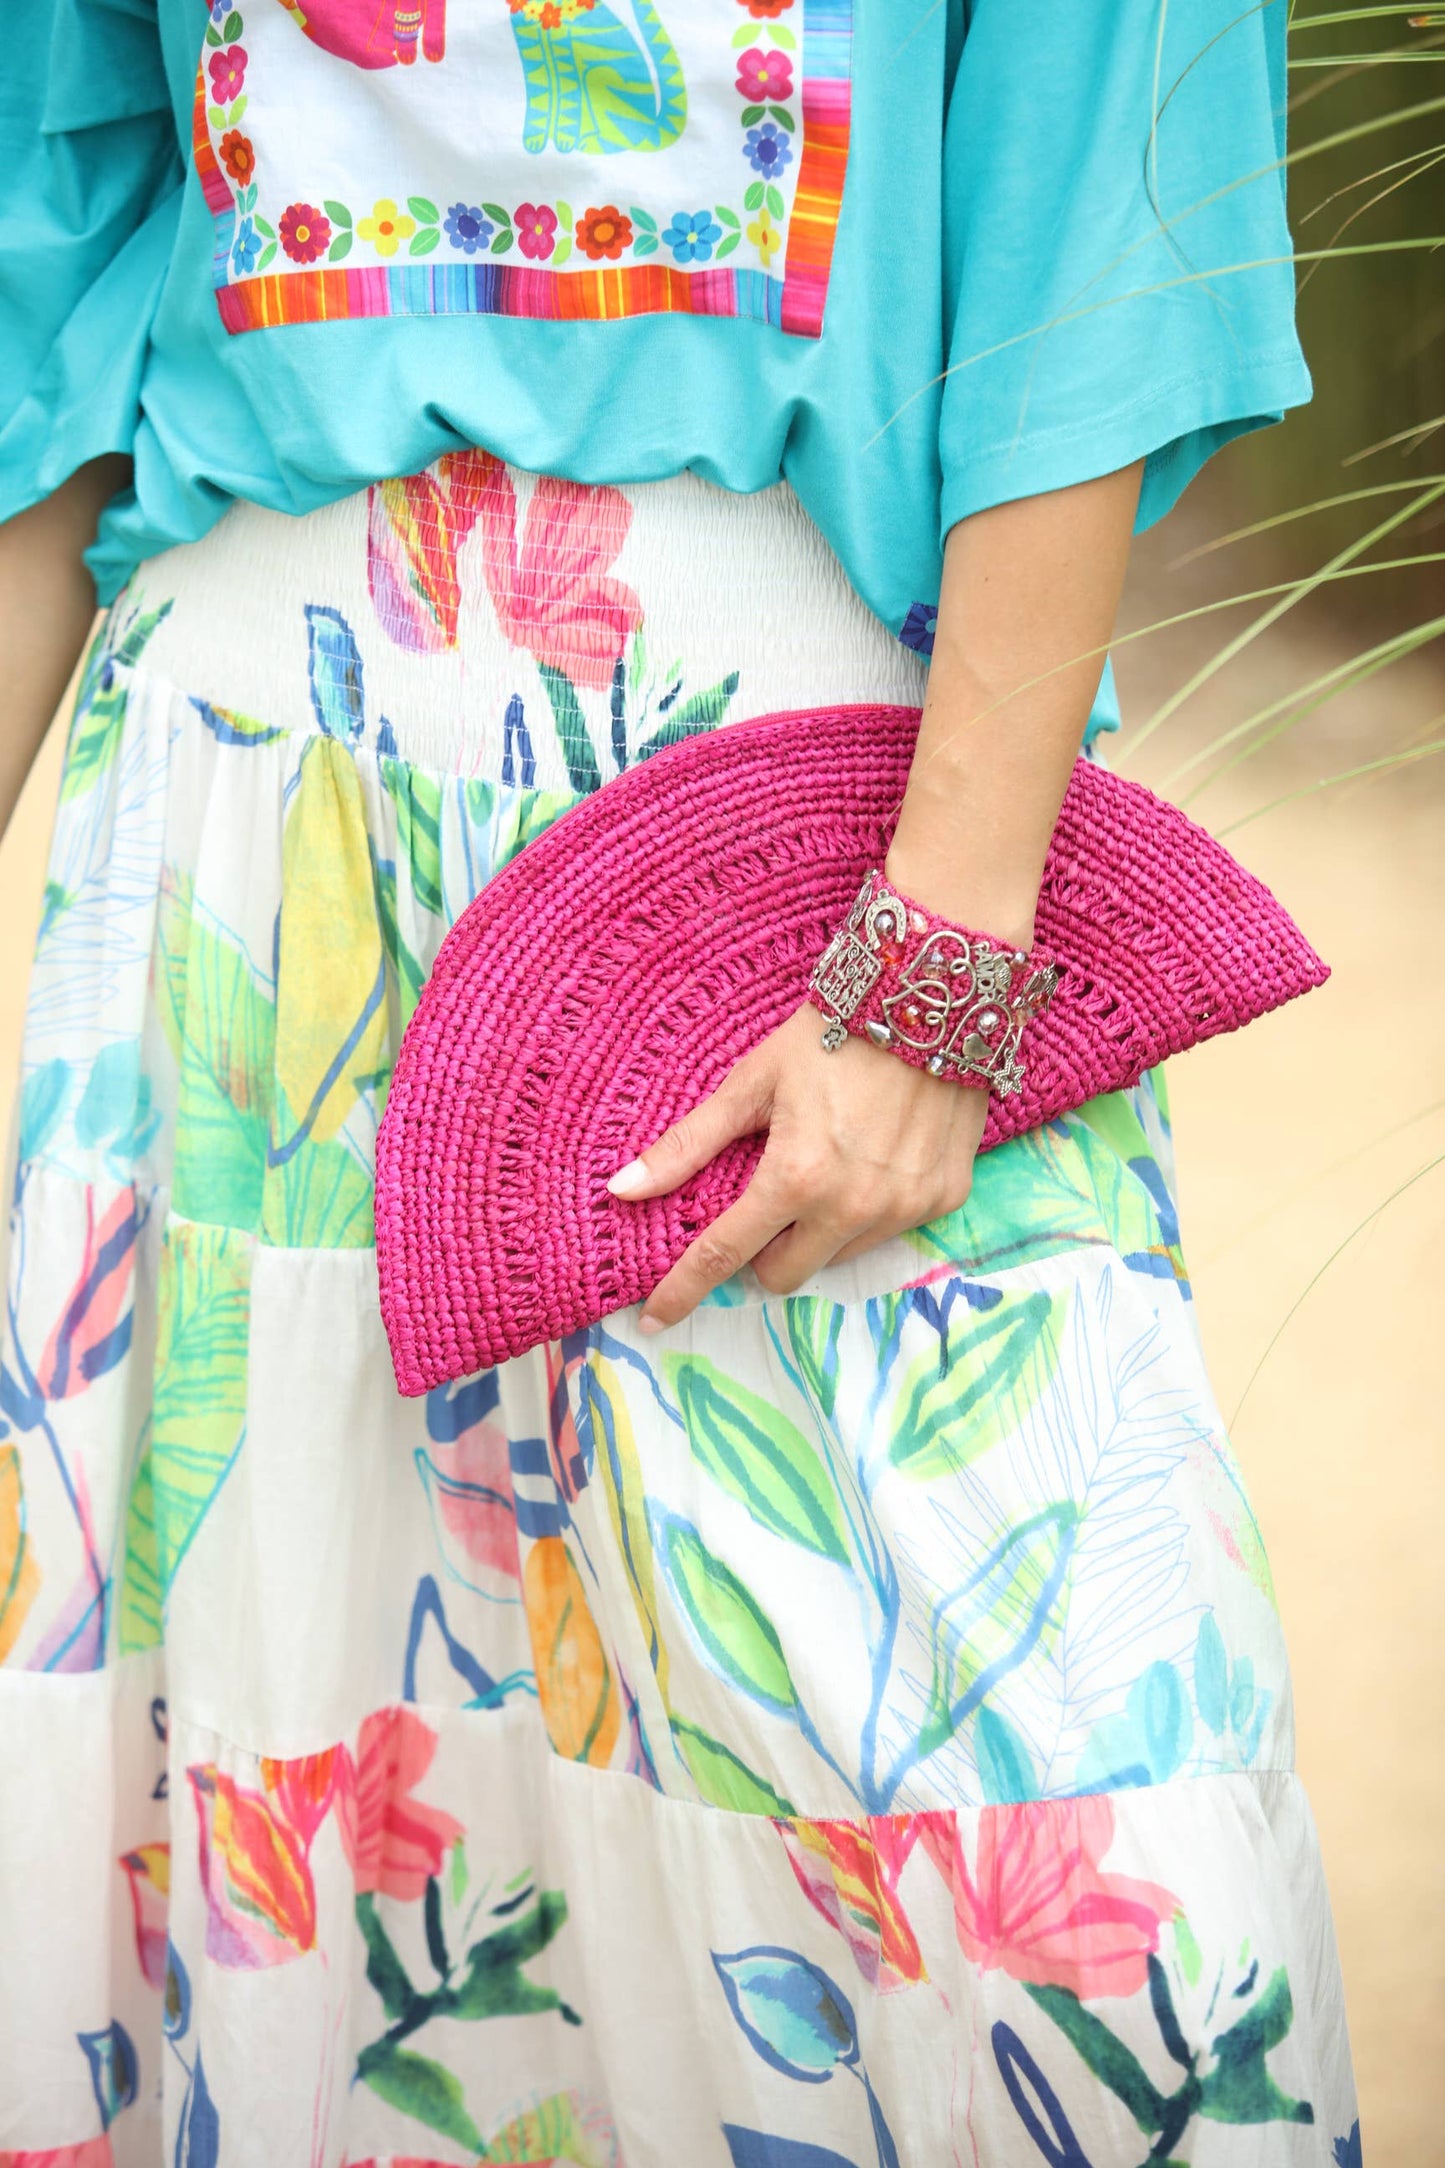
{"points": [[423, 242], [752, 1451], [423, 210], [580, 1703], [732, 1633], [974, 1385], [337, 213], [798, 2019], [340, 248], [724, 1780], [420, 2088]]}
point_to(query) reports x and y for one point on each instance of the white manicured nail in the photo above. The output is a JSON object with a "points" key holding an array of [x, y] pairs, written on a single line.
{"points": [[650, 1325], [630, 1179]]}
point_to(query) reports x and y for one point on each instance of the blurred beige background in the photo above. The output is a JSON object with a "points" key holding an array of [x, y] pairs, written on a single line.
{"points": [[1296, 1140]]}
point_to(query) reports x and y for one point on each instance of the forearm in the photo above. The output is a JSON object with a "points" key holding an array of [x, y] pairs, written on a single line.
{"points": [[47, 607], [1030, 592]]}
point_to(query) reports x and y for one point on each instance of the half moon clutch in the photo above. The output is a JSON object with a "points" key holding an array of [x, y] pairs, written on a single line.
{"points": [[612, 973]]}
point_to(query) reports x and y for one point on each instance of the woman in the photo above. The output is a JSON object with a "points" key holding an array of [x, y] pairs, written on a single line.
{"points": [[837, 1713]]}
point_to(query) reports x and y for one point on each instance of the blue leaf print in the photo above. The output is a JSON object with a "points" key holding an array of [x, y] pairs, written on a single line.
{"points": [[114, 2071], [799, 2021], [1349, 2153], [1211, 1680], [1037, 2107], [334, 664], [41, 1098], [757, 2149], [1005, 1770], [199, 2143], [176, 2003], [451, 1409]]}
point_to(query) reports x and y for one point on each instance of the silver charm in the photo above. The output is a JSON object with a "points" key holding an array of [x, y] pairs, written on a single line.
{"points": [[835, 1034]]}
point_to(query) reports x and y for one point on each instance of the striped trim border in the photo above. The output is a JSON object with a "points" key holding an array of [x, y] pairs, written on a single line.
{"points": [[794, 303]]}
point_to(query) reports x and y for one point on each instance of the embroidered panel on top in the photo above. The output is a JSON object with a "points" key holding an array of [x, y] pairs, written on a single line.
{"points": [[559, 159]]}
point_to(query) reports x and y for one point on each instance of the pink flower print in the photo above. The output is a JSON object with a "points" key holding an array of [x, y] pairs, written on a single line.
{"points": [[228, 73], [89, 2153], [394, 1843], [260, 1899], [149, 1872], [1038, 1905], [467, 1473], [554, 597], [764, 76], [92, 1333], [536, 225]]}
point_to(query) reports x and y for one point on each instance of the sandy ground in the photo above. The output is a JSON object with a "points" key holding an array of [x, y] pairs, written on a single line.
{"points": [[1317, 1271]]}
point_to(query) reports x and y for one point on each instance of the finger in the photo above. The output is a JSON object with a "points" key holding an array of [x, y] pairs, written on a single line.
{"points": [[792, 1258], [721, 1250], [737, 1108]]}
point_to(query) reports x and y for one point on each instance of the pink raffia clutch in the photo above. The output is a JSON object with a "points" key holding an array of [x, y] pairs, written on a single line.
{"points": [[612, 973]]}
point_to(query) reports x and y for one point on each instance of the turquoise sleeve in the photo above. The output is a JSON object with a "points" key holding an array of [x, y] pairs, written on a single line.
{"points": [[90, 188], [1118, 274]]}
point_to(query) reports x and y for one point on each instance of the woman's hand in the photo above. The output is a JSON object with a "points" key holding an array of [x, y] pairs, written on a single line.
{"points": [[860, 1147]]}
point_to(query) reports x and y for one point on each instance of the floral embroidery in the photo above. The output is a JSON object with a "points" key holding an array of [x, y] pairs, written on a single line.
{"points": [[228, 74], [536, 230], [604, 233], [466, 228], [597, 81], [237, 155], [765, 75], [692, 236], [386, 228], [305, 232]]}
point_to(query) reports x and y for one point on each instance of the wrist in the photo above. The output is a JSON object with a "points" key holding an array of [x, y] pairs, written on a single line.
{"points": [[995, 900]]}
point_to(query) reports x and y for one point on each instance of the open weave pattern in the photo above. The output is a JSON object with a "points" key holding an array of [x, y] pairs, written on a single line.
{"points": [[612, 974]]}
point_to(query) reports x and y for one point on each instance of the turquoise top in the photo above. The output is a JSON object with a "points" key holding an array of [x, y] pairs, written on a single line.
{"points": [[916, 258]]}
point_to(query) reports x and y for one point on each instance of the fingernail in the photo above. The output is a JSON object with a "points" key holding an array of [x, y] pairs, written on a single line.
{"points": [[650, 1324], [630, 1179]]}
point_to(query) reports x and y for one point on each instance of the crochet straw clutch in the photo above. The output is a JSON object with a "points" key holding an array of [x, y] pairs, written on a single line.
{"points": [[611, 974]]}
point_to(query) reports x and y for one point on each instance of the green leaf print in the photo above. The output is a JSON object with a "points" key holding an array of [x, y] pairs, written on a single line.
{"points": [[752, 1451], [699, 712], [220, 1024], [1005, 1768], [605, 1404], [722, 1779], [494, 1984], [320, 1198], [1239, 2089], [732, 1633], [418, 801], [986, 1628], [958, 1401], [815, 1329], [1112, 2063], [141, 1593], [98, 723], [199, 1406], [420, 2088], [583, 772], [384, 1969]]}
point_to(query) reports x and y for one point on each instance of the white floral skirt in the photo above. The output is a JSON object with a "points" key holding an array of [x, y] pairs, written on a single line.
{"points": [[851, 1730]]}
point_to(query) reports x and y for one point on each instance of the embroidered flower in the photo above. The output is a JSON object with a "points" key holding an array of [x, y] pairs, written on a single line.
{"points": [[919, 626], [536, 225], [386, 228], [466, 228], [238, 156], [604, 233], [550, 14], [245, 249], [228, 73], [692, 236], [760, 9], [767, 150], [305, 232], [766, 238], [762, 76]]}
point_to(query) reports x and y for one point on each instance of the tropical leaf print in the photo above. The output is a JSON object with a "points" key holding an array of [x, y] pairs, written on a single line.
{"points": [[220, 1022], [415, 527], [580, 1703], [976, 1388], [583, 772], [989, 1625], [199, 1410], [729, 1628], [564, 2128], [723, 1779], [417, 797], [228, 727], [797, 2019], [420, 2088], [338, 683], [753, 1452], [98, 723], [602, 1408], [260, 1898], [19, 1573]]}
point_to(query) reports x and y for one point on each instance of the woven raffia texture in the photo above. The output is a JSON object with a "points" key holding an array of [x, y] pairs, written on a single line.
{"points": [[611, 975]]}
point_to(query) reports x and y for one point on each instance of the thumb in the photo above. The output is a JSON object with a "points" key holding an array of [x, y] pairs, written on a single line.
{"points": [[740, 1105]]}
